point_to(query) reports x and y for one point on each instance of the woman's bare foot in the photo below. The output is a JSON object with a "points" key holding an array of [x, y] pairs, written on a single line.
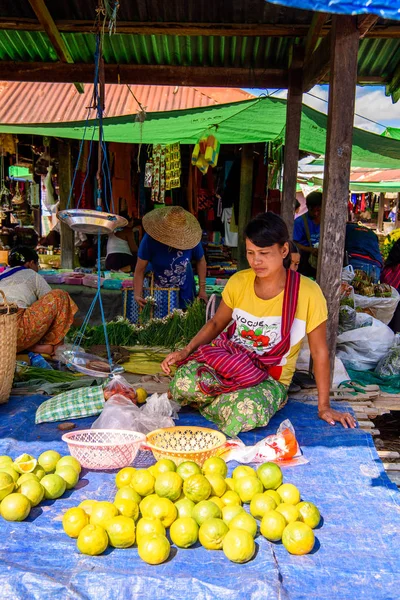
{"points": [[42, 349]]}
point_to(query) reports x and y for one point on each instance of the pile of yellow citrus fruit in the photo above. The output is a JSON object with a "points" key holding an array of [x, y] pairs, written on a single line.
{"points": [[26, 481], [196, 505]]}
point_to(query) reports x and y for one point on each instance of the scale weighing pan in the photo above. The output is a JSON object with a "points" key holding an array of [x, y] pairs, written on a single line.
{"points": [[91, 221], [89, 364]]}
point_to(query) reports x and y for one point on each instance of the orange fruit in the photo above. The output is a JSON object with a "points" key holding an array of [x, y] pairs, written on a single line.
{"points": [[231, 497], [184, 532], [244, 521], [270, 475], [74, 520], [127, 508], [212, 534], [121, 531], [238, 546], [168, 485], [289, 493], [243, 471], [218, 484], [92, 540], [143, 482], [48, 460], [298, 538], [54, 486], [309, 514], [154, 549], [215, 466], [272, 525], [197, 488], [146, 527], [15, 507], [290, 512], [188, 468], [124, 476], [260, 504], [33, 490], [102, 512], [247, 488], [206, 510]]}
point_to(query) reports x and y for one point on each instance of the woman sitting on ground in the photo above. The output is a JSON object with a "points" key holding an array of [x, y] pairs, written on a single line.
{"points": [[45, 315], [240, 381]]}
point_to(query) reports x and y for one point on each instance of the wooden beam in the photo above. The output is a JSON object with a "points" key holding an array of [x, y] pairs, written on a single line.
{"points": [[366, 23], [246, 195], [65, 182], [342, 88], [381, 30], [381, 212], [315, 31], [58, 72], [292, 140], [317, 66], [46, 20]]}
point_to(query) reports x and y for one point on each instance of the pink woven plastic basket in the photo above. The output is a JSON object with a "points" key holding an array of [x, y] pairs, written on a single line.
{"points": [[100, 449]]}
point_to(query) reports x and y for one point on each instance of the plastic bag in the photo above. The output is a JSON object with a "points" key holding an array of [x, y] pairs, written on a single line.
{"points": [[380, 308], [118, 385], [347, 319], [120, 413], [389, 365], [348, 274], [281, 448], [346, 295], [361, 349]]}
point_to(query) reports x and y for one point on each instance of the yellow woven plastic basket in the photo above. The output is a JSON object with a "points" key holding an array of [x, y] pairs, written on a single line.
{"points": [[185, 443]]}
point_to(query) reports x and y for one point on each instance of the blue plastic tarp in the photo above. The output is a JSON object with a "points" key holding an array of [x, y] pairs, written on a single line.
{"points": [[387, 9], [356, 556]]}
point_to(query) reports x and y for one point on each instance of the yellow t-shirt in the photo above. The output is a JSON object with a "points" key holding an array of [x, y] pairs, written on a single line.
{"points": [[258, 322]]}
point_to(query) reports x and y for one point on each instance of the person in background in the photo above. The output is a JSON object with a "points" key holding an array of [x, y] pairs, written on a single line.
{"points": [[45, 315], [171, 242], [292, 261], [122, 249], [239, 379], [391, 275], [362, 249], [306, 234]]}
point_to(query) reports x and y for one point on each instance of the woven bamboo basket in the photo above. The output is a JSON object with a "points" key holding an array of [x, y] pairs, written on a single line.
{"points": [[8, 347]]}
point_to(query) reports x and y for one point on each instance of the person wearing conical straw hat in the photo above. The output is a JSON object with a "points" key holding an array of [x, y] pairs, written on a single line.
{"points": [[171, 242]]}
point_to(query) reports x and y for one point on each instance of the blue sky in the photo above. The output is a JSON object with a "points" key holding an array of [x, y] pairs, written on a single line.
{"points": [[371, 103]]}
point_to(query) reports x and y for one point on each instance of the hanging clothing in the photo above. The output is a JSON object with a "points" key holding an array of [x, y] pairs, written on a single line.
{"points": [[122, 155], [231, 238]]}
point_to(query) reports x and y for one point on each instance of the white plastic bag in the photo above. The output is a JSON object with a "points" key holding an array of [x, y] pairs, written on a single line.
{"points": [[348, 274], [120, 413], [381, 308], [361, 349]]}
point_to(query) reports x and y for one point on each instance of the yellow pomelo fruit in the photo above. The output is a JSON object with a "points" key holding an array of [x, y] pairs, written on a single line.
{"points": [[206, 510], [215, 466], [289, 493], [6, 485], [187, 469], [298, 538], [162, 509], [289, 511], [146, 527], [260, 504], [11, 471], [71, 461], [230, 511], [272, 525], [87, 506], [15, 507], [154, 549], [231, 497], [247, 488], [54, 486], [33, 490], [143, 482], [217, 501], [102, 512], [121, 531], [145, 504], [238, 546], [309, 514], [185, 507], [26, 477], [270, 475], [39, 472], [197, 488], [243, 471], [165, 465], [169, 485], [274, 494], [74, 520], [212, 533], [141, 395], [124, 477], [218, 484], [230, 484], [244, 521], [128, 493], [127, 508], [5, 461], [69, 474], [25, 463], [92, 540], [48, 460], [184, 532]]}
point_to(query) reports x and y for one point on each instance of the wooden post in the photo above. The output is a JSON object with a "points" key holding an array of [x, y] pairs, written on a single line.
{"points": [[246, 194], [342, 87], [292, 140], [381, 212], [65, 182]]}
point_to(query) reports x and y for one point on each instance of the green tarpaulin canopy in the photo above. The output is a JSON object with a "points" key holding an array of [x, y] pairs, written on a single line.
{"points": [[366, 186], [259, 120]]}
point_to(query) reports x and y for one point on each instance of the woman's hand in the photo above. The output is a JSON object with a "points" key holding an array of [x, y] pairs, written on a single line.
{"points": [[203, 296], [141, 301], [331, 416], [172, 359]]}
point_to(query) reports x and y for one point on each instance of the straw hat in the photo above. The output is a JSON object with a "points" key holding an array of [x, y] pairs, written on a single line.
{"points": [[173, 226]]}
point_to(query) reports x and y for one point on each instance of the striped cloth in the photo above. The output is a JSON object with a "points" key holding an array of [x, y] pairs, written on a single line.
{"points": [[234, 367], [391, 275], [84, 402]]}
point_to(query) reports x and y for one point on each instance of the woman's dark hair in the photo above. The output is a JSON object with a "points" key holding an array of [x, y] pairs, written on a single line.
{"points": [[314, 199], [266, 230], [293, 249], [394, 256], [21, 255]]}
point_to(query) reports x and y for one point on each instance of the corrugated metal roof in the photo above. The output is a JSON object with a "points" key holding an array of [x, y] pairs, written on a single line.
{"points": [[58, 102]]}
